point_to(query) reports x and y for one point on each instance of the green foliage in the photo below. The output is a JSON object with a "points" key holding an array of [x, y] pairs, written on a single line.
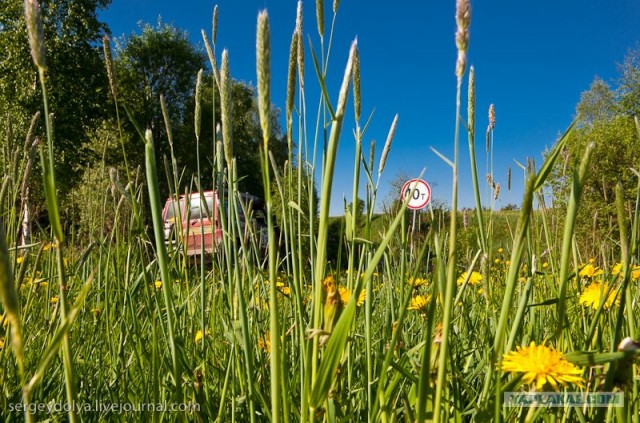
{"points": [[162, 61], [605, 118], [76, 79], [617, 151]]}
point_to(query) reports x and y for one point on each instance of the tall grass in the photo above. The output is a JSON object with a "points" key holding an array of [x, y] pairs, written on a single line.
{"points": [[278, 332]]}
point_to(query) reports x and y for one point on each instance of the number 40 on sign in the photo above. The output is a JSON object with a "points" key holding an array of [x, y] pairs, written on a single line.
{"points": [[418, 192]]}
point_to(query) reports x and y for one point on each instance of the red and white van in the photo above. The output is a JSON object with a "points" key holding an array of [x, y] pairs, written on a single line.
{"points": [[198, 214]]}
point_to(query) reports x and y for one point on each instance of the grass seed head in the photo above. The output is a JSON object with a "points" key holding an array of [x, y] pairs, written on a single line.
{"points": [[108, 59], [356, 84], [387, 145], [471, 105], [198, 111], [372, 152], [214, 24], [291, 80], [226, 108], [320, 16], [492, 117], [463, 19], [263, 52], [300, 44], [212, 57], [35, 30]]}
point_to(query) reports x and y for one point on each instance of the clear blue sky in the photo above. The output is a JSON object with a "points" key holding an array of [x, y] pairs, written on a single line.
{"points": [[532, 60]]}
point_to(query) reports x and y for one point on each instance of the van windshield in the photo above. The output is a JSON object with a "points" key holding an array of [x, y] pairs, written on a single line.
{"points": [[173, 211], [198, 209]]}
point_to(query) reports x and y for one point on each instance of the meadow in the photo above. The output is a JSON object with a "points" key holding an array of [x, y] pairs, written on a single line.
{"points": [[402, 329]]}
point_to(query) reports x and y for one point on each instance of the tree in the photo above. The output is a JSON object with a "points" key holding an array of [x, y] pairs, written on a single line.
{"points": [[158, 61], [76, 78], [605, 119], [161, 60], [629, 84]]}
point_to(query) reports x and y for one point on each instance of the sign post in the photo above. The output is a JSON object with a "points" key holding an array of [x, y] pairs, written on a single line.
{"points": [[417, 194]]}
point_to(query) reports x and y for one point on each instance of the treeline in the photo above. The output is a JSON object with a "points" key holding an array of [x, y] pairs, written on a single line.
{"points": [[95, 112], [606, 116]]}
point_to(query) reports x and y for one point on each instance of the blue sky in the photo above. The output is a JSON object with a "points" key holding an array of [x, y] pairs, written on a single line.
{"points": [[532, 60]]}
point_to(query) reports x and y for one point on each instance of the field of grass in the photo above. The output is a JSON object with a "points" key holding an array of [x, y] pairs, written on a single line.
{"points": [[432, 328]]}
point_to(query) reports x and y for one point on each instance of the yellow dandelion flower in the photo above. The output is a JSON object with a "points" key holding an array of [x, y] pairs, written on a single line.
{"points": [[345, 294], [497, 261], [501, 250], [589, 271], [158, 284], [198, 336], [19, 259], [474, 279], [1, 343], [43, 284], [592, 260], [419, 303], [616, 269], [593, 295], [264, 343], [416, 282], [329, 284], [50, 245], [480, 291], [54, 299], [545, 265], [285, 290], [542, 365], [96, 311]]}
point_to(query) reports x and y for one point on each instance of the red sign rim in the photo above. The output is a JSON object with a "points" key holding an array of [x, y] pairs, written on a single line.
{"points": [[419, 181]]}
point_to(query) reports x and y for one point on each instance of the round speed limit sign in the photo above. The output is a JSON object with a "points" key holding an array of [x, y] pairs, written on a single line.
{"points": [[418, 192]]}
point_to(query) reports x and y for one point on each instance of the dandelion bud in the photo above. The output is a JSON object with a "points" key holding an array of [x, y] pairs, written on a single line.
{"points": [[33, 18], [333, 304], [263, 53], [387, 145]]}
